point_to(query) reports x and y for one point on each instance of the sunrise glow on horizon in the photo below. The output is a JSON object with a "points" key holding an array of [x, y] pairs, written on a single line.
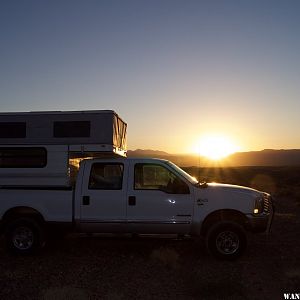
{"points": [[215, 146]]}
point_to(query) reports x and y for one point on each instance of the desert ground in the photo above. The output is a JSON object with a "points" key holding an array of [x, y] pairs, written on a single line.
{"points": [[104, 267]]}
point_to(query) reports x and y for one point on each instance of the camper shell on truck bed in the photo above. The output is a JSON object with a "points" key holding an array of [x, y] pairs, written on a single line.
{"points": [[45, 148]]}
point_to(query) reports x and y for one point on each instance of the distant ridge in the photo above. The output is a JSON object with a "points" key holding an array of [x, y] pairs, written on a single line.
{"points": [[147, 152], [267, 157]]}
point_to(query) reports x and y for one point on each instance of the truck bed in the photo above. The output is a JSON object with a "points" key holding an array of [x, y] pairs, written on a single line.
{"points": [[55, 205]]}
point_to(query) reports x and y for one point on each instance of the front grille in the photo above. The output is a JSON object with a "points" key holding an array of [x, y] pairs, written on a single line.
{"points": [[267, 204]]}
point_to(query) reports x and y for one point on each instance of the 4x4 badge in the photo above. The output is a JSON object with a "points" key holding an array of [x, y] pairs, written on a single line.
{"points": [[201, 201]]}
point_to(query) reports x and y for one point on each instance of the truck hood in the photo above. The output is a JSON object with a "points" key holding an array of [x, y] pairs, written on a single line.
{"points": [[230, 188], [226, 196], [235, 191]]}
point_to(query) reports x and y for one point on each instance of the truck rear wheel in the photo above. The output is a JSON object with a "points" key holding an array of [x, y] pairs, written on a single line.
{"points": [[226, 240], [24, 236]]}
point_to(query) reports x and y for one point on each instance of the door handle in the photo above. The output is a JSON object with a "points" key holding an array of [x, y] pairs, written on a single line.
{"points": [[86, 200], [131, 200]]}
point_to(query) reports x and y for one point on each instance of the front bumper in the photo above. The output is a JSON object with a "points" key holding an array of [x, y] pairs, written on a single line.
{"points": [[262, 222]]}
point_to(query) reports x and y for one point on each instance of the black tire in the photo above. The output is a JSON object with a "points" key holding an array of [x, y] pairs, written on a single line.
{"points": [[24, 236], [226, 240]]}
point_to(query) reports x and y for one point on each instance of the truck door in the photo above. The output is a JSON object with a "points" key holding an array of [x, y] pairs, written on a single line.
{"points": [[103, 197], [159, 200]]}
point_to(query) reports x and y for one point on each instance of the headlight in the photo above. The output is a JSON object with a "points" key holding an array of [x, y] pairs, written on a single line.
{"points": [[258, 205]]}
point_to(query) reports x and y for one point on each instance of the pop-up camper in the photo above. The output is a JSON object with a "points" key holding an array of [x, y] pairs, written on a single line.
{"points": [[44, 148]]}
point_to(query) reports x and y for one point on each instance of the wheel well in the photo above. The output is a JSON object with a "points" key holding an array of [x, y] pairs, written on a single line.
{"points": [[222, 215], [22, 211]]}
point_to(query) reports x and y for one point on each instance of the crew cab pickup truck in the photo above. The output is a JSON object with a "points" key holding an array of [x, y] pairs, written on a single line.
{"points": [[138, 196]]}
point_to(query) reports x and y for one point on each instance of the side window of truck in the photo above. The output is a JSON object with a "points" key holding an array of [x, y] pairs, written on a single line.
{"points": [[157, 177], [106, 176]]}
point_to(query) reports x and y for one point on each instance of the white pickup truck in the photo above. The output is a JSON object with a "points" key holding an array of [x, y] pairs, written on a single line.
{"points": [[138, 196]]}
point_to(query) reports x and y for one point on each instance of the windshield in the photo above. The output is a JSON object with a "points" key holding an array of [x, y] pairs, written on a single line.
{"points": [[183, 173]]}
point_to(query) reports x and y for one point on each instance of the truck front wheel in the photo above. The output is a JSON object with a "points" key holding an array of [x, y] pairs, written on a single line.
{"points": [[226, 240], [24, 236]]}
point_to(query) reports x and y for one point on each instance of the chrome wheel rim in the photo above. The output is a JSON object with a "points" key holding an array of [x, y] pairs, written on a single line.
{"points": [[23, 238], [227, 242]]}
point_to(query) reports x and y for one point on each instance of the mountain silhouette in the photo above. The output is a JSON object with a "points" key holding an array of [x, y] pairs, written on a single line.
{"points": [[267, 157]]}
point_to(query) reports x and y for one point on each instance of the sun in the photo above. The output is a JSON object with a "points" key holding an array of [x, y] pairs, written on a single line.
{"points": [[215, 147]]}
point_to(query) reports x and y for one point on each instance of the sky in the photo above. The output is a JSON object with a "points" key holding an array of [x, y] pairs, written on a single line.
{"points": [[173, 70]]}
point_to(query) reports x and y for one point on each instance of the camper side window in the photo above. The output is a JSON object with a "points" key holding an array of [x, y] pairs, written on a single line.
{"points": [[12, 130], [106, 176], [18, 157], [71, 129]]}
